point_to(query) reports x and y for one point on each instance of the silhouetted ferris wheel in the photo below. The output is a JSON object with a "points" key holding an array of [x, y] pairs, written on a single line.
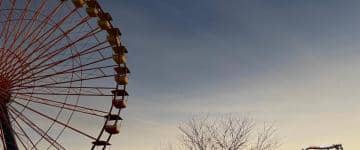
{"points": [[58, 62]]}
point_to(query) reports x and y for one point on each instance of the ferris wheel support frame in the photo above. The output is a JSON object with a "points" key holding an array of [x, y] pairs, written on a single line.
{"points": [[5, 125]]}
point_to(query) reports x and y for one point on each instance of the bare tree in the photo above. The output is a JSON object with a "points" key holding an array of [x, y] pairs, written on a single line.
{"points": [[196, 134], [266, 139], [227, 134], [231, 133]]}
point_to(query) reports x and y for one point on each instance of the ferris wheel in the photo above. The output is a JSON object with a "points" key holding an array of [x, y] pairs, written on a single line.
{"points": [[63, 75]]}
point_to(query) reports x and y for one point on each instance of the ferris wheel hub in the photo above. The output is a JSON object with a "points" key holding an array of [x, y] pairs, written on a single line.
{"points": [[4, 90]]}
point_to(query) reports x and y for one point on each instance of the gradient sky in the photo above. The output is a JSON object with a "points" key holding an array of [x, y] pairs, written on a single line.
{"points": [[294, 63]]}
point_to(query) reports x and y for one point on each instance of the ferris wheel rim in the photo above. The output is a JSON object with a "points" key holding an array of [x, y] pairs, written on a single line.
{"points": [[112, 110]]}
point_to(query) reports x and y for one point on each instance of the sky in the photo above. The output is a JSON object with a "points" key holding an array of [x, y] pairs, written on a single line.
{"points": [[292, 63]]}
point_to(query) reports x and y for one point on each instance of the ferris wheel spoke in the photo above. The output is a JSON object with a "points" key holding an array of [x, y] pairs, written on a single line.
{"points": [[87, 23], [17, 135], [6, 126], [55, 117], [57, 121], [66, 87], [47, 44], [21, 141], [73, 70], [78, 80], [3, 62], [70, 71], [49, 84], [2, 52], [72, 107], [34, 17], [52, 41], [50, 33], [59, 90], [56, 52], [23, 131], [29, 31], [70, 94], [85, 52], [8, 24], [25, 30], [33, 79], [20, 23], [24, 50], [5, 29], [37, 79], [36, 128], [37, 30]]}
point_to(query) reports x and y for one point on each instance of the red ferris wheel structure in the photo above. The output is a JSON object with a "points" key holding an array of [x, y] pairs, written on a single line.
{"points": [[63, 75]]}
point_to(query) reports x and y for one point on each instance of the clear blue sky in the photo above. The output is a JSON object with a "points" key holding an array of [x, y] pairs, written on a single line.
{"points": [[295, 63]]}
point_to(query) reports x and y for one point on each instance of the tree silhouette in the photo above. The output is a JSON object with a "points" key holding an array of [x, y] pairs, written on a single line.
{"points": [[230, 133]]}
